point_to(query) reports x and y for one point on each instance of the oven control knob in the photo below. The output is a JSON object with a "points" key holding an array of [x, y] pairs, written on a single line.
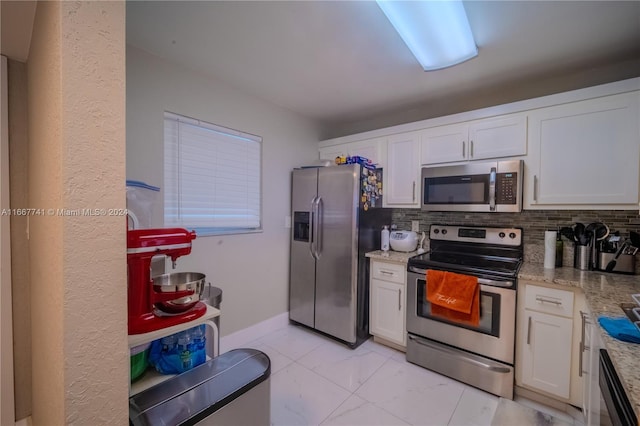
{"points": [[436, 231], [501, 235], [444, 232], [512, 235]]}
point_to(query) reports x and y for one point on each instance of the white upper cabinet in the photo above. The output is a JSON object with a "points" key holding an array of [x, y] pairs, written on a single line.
{"points": [[584, 154], [504, 136], [498, 137], [581, 149], [331, 152], [402, 173], [373, 149], [444, 144]]}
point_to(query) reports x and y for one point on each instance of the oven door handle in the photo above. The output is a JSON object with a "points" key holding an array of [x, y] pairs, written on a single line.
{"points": [[482, 281], [454, 354]]}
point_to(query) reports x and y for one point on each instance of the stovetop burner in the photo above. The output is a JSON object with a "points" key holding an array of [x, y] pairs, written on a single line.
{"points": [[477, 250]]}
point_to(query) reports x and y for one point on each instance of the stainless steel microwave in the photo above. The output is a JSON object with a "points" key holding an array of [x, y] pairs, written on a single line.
{"points": [[493, 186]]}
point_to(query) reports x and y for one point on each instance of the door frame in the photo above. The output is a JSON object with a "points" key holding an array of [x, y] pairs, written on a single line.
{"points": [[7, 402]]}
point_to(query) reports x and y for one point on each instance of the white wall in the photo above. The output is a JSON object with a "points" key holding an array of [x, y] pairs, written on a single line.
{"points": [[251, 269]]}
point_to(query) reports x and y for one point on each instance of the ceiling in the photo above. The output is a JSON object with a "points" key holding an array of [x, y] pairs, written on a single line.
{"points": [[342, 64]]}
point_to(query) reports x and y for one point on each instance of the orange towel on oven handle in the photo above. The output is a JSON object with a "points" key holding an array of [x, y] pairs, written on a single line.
{"points": [[455, 297]]}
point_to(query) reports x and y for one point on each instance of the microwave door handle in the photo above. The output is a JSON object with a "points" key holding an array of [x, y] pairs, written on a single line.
{"points": [[492, 190]]}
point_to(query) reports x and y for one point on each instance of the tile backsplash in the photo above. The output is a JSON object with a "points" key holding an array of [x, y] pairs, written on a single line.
{"points": [[532, 222]]}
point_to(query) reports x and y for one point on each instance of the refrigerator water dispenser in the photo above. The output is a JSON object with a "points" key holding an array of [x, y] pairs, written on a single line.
{"points": [[301, 226]]}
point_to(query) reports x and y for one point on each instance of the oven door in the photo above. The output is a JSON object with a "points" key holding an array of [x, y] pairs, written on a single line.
{"points": [[615, 408], [467, 189], [494, 337]]}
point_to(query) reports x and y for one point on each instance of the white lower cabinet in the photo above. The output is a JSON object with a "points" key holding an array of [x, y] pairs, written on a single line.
{"points": [[550, 339], [387, 302], [546, 358]]}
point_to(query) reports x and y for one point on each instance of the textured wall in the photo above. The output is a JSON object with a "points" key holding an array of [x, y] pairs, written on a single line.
{"points": [[93, 137], [533, 223], [76, 82]]}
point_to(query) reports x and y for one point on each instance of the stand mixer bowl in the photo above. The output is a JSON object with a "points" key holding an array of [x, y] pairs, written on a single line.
{"points": [[179, 281]]}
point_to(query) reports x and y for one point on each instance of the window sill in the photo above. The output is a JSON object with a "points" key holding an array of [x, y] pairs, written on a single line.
{"points": [[208, 232]]}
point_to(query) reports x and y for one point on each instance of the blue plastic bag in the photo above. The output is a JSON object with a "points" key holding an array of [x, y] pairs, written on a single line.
{"points": [[179, 352]]}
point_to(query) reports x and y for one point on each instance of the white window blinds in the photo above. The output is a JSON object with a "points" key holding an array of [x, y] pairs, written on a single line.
{"points": [[211, 177]]}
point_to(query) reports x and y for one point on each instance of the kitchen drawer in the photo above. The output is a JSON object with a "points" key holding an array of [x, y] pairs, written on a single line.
{"points": [[393, 272], [549, 300]]}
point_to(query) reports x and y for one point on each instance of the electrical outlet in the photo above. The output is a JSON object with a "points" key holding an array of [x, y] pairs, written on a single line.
{"points": [[287, 221], [415, 225]]}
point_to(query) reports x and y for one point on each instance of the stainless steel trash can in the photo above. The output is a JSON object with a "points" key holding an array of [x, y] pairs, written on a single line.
{"points": [[231, 389]]}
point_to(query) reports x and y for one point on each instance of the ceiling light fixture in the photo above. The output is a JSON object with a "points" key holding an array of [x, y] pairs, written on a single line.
{"points": [[436, 31]]}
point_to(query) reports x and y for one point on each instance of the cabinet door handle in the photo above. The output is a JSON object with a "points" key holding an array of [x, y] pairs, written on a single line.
{"points": [[580, 359], [414, 191], [583, 347], [543, 300], [471, 149], [535, 188], [463, 150], [529, 332], [399, 299], [582, 318], [386, 272]]}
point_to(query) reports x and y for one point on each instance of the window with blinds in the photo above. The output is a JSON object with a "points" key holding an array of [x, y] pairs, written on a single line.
{"points": [[211, 177]]}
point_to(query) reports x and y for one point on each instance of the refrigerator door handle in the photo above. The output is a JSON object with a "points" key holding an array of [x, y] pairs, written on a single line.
{"points": [[318, 227], [312, 212]]}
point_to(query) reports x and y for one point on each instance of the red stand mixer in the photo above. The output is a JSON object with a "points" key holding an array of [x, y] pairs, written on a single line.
{"points": [[143, 299]]}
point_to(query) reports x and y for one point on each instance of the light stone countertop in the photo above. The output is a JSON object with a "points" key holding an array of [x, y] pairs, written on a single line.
{"points": [[603, 292], [392, 256]]}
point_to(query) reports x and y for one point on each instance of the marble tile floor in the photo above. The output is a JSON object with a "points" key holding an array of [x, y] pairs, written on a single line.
{"points": [[512, 413], [317, 381]]}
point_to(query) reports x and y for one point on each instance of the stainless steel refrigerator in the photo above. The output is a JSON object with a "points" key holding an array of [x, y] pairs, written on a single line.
{"points": [[337, 217]]}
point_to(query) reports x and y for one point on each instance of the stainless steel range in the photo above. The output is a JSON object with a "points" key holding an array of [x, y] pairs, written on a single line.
{"points": [[482, 355]]}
